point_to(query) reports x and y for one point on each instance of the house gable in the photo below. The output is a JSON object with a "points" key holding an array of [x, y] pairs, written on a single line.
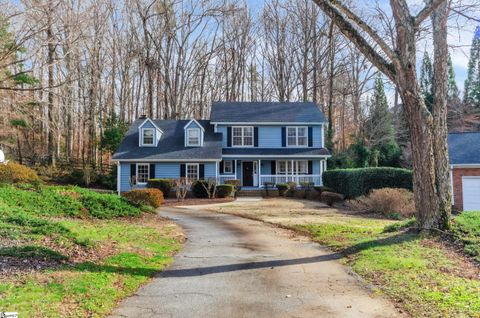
{"points": [[143, 133], [193, 134]]}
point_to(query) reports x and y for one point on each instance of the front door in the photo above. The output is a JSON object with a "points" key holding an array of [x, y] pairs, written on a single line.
{"points": [[247, 174]]}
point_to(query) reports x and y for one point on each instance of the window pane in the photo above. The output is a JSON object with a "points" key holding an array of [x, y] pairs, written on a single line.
{"points": [[302, 141], [292, 131], [302, 167], [292, 141], [248, 131], [248, 141], [302, 131], [227, 166], [148, 136], [237, 131], [142, 173], [237, 141], [193, 137], [281, 167], [192, 172]]}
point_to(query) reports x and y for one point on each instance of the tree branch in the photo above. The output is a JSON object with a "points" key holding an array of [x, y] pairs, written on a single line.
{"points": [[427, 11], [353, 35], [365, 27]]}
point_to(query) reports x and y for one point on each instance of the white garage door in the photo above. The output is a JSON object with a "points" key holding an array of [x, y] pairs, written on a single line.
{"points": [[471, 193]]}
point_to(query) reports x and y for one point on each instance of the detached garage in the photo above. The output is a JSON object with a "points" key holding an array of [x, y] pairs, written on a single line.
{"points": [[464, 155]]}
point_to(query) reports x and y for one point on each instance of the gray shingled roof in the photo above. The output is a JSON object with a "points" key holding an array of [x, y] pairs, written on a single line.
{"points": [[277, 151], [263, 112], [171, 145], [464, 148]]}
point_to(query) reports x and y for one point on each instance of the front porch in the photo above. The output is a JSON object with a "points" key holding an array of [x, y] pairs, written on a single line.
{"points": [[254, 173]]}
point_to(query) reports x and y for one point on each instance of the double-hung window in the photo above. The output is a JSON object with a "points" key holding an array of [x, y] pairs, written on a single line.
{"points": [[292, 167], [147, 136], [227, 166], [193, 137], [143, 173], [297, 136], [192, 171], [242, 136]]}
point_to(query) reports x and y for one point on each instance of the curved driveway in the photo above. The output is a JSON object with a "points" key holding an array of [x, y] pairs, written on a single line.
{"points": [[235, 267]]}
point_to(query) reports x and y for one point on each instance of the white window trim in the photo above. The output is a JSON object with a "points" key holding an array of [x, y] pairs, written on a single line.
{"points": [[243, 137], [136, 172], [296, 136], [198, 170], [199, 137], [143, 136], [231, 167], [294, 169]]}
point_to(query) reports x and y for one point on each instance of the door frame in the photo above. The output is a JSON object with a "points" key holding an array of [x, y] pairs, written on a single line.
{"points": [[243, 174]]}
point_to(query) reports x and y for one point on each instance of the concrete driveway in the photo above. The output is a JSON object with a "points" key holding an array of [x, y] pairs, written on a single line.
{"points": [[235, 267]]}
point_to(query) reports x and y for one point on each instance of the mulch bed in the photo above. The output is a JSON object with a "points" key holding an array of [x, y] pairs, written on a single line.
{"points": [[195, 201]]}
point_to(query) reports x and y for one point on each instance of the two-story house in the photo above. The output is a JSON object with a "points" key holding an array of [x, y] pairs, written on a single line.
{"points": [[254, 142]]}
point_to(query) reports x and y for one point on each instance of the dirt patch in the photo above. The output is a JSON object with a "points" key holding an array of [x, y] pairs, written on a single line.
{"points": [[195, 201]]}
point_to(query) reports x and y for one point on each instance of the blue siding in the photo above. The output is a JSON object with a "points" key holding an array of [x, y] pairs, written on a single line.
{"points": [[266, 167], [271, 136], [162, 170]]}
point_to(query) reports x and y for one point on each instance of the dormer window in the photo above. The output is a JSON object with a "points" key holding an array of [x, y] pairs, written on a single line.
{"points": [[193, 137], [148, 136]]}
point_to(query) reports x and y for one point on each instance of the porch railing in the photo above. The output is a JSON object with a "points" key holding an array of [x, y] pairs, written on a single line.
{"points": [[221, 179], [282, 178]]}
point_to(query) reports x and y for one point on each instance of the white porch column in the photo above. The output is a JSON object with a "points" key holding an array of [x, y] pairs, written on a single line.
{"points": [[259, 172], [236, 169], [119, 175], [216, 172]]}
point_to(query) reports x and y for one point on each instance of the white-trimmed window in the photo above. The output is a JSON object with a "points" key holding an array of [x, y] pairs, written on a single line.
{"points": [[242, 136], [143, 173], [292, 167], [191, 170], [228, 166], [297, 136], [193, 137], [148, 136]]}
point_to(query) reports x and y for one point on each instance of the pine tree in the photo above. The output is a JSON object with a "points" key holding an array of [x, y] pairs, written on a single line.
{"points": [[379, 130], [472, 83], [453, 92], [426, 80]]}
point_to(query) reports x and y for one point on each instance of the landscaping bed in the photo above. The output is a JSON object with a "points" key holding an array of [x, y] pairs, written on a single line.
{"points": [[70, 252], [423, 275], [196, 201]]}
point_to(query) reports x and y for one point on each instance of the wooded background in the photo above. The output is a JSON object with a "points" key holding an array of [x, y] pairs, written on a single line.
{"points": [[75, 73]]}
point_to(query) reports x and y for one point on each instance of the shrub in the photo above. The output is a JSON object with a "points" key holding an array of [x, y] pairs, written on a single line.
{"points": [[17, 173], [320, 189], [331, 197], [225, 190], [282, 189], [235, 182], [150, 197], [164, 185], [356, 182], [390, 202], [306, 186], [199, 189]]}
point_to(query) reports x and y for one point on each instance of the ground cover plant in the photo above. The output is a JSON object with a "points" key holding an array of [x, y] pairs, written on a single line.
{"points": [[61, 244]]}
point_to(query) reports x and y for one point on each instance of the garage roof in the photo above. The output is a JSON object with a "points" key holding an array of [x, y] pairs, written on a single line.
{"points": [[464, 148]]}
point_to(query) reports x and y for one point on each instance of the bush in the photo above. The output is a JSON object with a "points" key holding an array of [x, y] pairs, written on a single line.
{"points": [[390, 202], [235, 182], [225, 190], [150, 197], [17, 173], [164, 185], [282, 189], [356, 182], [199, 189], [320, 189], [331, 197]]}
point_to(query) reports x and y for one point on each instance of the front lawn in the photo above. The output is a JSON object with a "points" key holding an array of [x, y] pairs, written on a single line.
{"points": [[70, 252], [420, 274]]}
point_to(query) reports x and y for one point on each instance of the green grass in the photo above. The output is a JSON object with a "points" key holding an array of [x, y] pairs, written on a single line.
{"points": [[410, 269], [85, 221], [466, 227]]}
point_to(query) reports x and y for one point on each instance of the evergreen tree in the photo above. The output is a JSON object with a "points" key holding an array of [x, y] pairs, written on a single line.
{"points": [[379, 130], [472, 83], [453, 92], [426, 80]]}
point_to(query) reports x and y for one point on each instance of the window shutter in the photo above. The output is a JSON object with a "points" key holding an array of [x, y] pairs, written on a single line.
{"points": [[310, 136], [233, 166], [273, 167], [133, 173], [310, 168], [182, 170], [152, 171], [221, 166], [255, 136], [229, 136], [201, 172], [284, 136]]}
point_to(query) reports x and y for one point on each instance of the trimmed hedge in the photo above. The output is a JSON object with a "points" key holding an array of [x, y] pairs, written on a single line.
{"points": [[356, 182], [150, 197], [282, 189], [199, 189], [164, 185], [225, 190]]}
